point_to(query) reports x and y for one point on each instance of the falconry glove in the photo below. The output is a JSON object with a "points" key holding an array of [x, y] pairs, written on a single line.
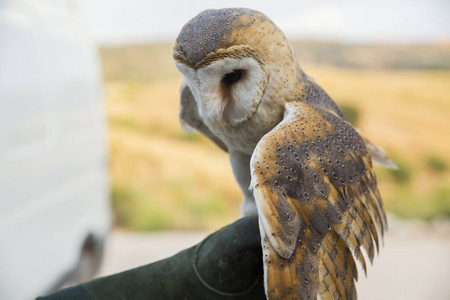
{"points": [[225, 265]]}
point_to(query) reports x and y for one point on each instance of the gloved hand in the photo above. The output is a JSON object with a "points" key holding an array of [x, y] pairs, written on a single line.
{"points": [[225, 265]]}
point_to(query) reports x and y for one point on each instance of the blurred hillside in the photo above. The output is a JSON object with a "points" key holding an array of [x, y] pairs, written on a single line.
{"points": [[389, 57], [163, 178], [139, 62]]}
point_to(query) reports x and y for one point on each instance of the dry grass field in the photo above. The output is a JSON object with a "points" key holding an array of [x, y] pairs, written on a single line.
{"points": [[163, 178]]}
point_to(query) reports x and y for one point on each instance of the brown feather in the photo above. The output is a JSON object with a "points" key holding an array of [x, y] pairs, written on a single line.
{"points": [[318, 202]]}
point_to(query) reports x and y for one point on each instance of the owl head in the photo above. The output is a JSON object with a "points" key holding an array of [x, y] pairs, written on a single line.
{"points": [[233, 60]]}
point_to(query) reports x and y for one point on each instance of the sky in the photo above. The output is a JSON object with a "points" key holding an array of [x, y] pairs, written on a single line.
{"points": [[348, 21]]}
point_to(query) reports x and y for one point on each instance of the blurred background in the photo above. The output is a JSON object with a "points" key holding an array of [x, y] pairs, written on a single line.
{"points": [[386, 64]]}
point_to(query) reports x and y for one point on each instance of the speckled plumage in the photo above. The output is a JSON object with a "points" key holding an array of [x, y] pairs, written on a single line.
{"points": [[309, 170], [314, 180]]}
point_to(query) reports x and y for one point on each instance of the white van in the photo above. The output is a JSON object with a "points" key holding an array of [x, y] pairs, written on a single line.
{"points": [[54, 208]]}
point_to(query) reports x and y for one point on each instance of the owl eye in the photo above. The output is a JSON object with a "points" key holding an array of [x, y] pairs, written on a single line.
{"points": [[232, 77]]}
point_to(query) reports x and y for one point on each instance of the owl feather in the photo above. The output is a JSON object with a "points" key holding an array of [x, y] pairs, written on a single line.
{"points": [[310, 173], [315, 191]]}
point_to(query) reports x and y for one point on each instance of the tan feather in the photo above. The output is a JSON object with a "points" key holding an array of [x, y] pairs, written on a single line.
{"points": [[318, 203]]}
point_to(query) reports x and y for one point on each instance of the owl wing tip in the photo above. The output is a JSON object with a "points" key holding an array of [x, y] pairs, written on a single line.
{"points": [[379, 155]]}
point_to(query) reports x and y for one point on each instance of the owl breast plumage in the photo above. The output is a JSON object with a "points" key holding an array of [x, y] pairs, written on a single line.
{"points": [[301, 166]]}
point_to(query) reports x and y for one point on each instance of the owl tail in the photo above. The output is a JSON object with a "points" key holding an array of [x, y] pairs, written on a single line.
{"points": [[281, 274], [328, 274]]}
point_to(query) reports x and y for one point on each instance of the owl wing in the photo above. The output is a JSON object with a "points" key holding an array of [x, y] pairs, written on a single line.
{"points": [[190, 119], [318, 204], [316, 96], [379, 156]]}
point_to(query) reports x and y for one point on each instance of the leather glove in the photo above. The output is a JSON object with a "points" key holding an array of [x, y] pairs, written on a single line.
{"points": [[225, 265]]}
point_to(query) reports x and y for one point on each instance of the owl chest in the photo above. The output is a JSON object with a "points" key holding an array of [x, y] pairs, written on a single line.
{"points": [[243, 138]]}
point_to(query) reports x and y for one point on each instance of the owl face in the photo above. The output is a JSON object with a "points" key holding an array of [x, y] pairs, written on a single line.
{"points": [[235, 60], [228, 88]]}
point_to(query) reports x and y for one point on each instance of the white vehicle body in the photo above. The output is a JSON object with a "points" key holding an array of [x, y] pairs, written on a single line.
{"points": [[54, 208]]}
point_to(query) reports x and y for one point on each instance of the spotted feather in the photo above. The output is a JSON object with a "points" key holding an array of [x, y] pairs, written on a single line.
{"points": [[318, 202]]}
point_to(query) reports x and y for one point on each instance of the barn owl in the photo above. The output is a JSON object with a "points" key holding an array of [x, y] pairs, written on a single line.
{"points": [[301, 166]]}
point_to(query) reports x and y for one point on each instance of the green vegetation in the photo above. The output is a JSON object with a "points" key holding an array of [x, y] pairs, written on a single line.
{"points": [[126, 123], [436, 163], [408, 203], [441, 200], [403, 173], [351, 113], [136, 208]]}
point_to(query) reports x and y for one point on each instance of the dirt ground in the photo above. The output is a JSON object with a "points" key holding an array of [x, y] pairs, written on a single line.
{"points": [[414, 263]]}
